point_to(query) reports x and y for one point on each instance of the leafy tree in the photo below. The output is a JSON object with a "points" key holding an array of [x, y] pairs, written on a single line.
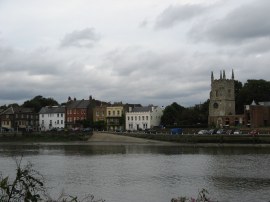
{"points": [[38, 102], [238, 98], [258, 90], [171, 114]]}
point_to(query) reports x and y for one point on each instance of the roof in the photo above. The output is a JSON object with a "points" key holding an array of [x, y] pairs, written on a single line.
{"points": [[78, 104], [142, 109], [83, 104], [264, 103], [17, 110], [52, 110]]}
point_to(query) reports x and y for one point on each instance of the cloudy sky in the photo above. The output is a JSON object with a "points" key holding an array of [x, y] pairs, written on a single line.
{"points": [[135, 51]]}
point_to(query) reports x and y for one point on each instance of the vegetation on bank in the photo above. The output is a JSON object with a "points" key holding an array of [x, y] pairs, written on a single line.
{"points": [[28, 186]]}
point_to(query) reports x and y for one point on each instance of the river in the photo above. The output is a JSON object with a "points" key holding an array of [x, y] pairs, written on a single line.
{"points": [[146, 173]]}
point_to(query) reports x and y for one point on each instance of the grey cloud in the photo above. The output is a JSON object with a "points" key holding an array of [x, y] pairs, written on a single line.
{"points": [[86, 38], [38, 62], [178, 13], [244, 23]]}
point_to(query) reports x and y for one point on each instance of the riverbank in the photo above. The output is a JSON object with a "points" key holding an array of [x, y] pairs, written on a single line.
{"points": [[189, 139], [44, 137]]}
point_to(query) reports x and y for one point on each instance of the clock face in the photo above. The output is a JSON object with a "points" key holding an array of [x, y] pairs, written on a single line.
{"points": [[215, 105]]}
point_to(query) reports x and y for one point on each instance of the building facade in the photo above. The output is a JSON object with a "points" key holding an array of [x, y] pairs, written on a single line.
{"points": [[141, 118], [99, 113], [20, 118], [222, 102], [257, 115], [115, 117], [52, 117]]}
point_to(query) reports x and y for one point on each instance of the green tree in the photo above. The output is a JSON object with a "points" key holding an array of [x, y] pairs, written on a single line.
{"points": [[172, 114], [38, 102], [239, 108], [257, 90]]}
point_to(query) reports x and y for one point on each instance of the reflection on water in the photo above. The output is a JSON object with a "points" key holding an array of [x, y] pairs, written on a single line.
{"points": [[120, 173]]}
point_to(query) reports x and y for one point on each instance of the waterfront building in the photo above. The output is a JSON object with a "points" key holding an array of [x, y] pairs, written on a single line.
{"points": [[222, 102], [19, 118], [99, 113], [141, 118], [257, 115], [115, 117], [78, 111], [52, 117]]}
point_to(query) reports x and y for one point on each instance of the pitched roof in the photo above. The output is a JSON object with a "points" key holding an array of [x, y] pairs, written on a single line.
{"points": [[78, 104], [17, 110], [142, 109], [52, 110]]}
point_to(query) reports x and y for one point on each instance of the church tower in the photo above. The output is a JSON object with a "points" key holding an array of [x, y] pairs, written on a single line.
{"points": [[222, 99]]}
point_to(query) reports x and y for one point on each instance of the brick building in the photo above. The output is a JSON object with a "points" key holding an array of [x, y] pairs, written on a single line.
{"points": [[257, 115]]}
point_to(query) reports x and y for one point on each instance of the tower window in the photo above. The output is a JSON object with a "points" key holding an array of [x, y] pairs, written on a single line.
{"points": [[215, 105]]}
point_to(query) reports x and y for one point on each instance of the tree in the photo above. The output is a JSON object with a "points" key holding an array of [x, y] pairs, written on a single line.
{"points": [[38, 102], [257, 90], [238, 99], [171, 114]]}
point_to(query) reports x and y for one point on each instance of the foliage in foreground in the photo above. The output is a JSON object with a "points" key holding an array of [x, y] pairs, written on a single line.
{"points": [[202, 197]]}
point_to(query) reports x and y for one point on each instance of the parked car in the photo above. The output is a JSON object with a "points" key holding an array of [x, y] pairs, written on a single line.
{"points": [[87, 129], [221, 131], [203, 132], [150, 131], [212, 131], [254, 132], [237, 132], [229, 132]]}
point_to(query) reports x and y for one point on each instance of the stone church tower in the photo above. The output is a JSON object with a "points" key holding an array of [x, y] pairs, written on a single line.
{"points": [[222, 100]]}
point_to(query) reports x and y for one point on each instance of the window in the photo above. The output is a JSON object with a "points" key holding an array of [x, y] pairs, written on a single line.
{"points": [[118, 112], [146, 118], [139, 118], [62, 122], [62, 115], [57, 115], [135, 118], [113, 113], [109, 113], [57, 122], [132, 118], [128, 118], [42, 115], [143, 118]]}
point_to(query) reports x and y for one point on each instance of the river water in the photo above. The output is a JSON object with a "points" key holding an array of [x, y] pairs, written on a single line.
{"points": [[146, 173]]}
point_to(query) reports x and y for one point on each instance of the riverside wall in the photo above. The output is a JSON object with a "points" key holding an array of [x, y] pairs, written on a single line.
{"points": [[193, 139]]}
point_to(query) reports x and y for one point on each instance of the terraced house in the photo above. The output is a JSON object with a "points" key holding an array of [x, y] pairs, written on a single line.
{"points": [[19, 118], [78, 111], [115, 117], [52, 117], [141, 118]]}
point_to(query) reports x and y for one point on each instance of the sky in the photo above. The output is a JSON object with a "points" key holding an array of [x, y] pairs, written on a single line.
{"points": [[136, 51]]}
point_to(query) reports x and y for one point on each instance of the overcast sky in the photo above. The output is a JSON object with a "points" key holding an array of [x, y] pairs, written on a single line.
{"points": [[135, 51]]}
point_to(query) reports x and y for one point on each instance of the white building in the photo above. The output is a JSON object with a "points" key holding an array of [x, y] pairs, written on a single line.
{"points": [[52, 117], [143, 117]]}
